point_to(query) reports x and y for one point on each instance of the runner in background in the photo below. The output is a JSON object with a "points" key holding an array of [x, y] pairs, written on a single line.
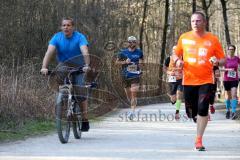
{"points": [[230, 82], [214, 90], [175, 83], [131, 60]]}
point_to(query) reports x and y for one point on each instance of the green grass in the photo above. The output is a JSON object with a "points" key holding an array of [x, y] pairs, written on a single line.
{"points": [[34, 128], [30, 128]]}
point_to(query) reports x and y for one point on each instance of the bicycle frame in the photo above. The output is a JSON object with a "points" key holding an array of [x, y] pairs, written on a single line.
{"points": [[66, 88], [68, 113], [73, 118]]}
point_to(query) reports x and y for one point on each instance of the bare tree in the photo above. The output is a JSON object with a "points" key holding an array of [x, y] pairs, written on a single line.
{"points": [[225, 18], [164, 40], [205, 7], [194, 6], [142, 24]]}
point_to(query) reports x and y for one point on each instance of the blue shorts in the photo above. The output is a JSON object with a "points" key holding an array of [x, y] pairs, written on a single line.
{"points": [[80, 91]]}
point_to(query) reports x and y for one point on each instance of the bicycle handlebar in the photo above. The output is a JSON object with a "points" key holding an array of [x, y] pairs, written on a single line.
{"points": [[71, 71], [77, 70]]}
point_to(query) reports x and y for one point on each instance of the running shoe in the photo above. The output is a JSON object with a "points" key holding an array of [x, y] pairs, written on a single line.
{"points": [[131, 115], [212, 109], [228, 115], [195, 119], [234, 116], [173, 102], [177, 116], [199, 146]]}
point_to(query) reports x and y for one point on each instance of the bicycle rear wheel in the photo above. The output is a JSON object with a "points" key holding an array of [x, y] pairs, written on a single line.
{"points": [[63, 121], [77, 122]]}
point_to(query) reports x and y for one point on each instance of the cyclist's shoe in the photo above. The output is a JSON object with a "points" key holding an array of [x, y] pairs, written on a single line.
{"points": [[85, 125], [228, 115], [177, 116], [234, 116], [212, 109], [199, 146]]}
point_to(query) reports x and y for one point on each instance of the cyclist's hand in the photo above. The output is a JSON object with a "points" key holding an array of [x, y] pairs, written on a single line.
{"points": [[86, 68], [44, 71]]}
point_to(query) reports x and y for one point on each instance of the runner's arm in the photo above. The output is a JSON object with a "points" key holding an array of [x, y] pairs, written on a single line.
{"points": [[220, 62], [122, 59], [177, 60]]}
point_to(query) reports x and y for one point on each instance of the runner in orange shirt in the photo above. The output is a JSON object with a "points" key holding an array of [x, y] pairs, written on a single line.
{"points": [[201, 51], [175, 83]]}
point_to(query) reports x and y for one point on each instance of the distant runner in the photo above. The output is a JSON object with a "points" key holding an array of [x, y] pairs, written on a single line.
{"points": [[131, 60], [175, 83]]}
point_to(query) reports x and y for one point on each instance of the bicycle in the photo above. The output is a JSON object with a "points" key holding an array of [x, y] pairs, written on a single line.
{"points": [[68, 112]]}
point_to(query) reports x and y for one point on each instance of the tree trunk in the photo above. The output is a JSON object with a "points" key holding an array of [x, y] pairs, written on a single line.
{"points": [[225, 18], [194, 6], [164, 40], [142, 25], [171, 22], [205, 8]]}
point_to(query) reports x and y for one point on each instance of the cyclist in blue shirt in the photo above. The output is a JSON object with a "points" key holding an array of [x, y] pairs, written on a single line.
{"points": [[131, 59], [70, 47]]}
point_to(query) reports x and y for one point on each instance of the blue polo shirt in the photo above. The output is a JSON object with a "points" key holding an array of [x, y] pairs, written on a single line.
{"points": [[68, 48]]}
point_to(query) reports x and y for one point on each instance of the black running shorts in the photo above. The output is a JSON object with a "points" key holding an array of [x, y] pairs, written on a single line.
{"points": [[197, 99]]}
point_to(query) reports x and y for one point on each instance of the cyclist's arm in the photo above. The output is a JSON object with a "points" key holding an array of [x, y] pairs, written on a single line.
{"points": [[48, 56], [84, 50]]}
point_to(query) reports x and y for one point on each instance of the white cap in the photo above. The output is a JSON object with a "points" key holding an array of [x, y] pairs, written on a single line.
{"points": [[132, 38]]}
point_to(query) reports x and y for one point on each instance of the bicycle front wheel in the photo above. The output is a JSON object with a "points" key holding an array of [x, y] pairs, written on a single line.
{"points": [[77, 122], [63, 121]]}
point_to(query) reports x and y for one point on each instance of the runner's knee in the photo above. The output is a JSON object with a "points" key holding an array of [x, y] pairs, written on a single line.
{"points": [[134, 88], [203, 108]]}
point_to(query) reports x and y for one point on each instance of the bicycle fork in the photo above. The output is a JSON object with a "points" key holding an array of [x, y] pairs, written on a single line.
{"points": [[71, 105]]}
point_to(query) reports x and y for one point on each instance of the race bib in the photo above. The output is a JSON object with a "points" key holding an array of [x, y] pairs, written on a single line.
{"points": [[172, 79], [132, 68], [232, 74]]}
